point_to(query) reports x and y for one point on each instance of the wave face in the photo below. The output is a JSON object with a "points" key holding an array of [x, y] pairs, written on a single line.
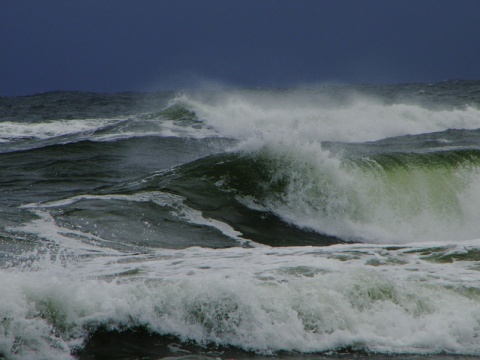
{"points": [[382, 198], [338, 220], [356, 168]]}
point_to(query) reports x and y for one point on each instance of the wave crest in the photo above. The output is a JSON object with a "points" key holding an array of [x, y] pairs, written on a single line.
{"points": [[398, 197]]}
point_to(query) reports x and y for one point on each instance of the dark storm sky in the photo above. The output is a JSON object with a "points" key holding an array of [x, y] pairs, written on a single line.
{"points": [[120, 45]]}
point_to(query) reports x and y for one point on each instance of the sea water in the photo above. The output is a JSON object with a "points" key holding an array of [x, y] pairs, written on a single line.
{"points": [[330, 221]]}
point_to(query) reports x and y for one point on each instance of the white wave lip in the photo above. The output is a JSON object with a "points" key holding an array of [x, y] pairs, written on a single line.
{"points": [[160, 128], [375, 205], [176, 203], [99, 129], [15, 131]]}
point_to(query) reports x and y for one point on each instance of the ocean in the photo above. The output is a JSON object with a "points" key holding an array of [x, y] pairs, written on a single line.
{"points": [[322, 222]]}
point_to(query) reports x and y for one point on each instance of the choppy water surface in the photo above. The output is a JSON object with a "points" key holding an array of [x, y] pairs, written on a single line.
{"points": [[323, 222]]}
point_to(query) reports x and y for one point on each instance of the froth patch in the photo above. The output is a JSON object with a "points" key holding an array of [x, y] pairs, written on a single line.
{"points": [[263, 300]]}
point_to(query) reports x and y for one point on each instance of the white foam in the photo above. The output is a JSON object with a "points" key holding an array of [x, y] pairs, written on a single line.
{"points": [[124, 128], [175, 202], [68, 242], [157, 127], [43, 130], [299, 299]]}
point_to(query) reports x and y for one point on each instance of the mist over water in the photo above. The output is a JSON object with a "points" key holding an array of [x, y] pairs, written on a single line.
{"points": [[322, 221], [321, 117]]}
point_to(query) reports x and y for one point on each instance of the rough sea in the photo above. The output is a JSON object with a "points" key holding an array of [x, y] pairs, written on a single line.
{"points": [[336, 221]]}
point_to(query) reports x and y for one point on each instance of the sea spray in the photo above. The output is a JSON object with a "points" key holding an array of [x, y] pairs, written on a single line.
{"points": [[316, 117]]}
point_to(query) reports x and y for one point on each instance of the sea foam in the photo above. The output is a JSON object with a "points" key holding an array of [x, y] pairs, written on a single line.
{"points": [[360, 297]]}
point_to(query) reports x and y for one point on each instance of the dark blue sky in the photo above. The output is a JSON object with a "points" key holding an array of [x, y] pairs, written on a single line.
{"points": [[120, 45]]}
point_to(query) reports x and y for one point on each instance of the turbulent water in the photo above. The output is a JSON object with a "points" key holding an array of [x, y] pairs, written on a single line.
{"points": [[323, 221]]}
